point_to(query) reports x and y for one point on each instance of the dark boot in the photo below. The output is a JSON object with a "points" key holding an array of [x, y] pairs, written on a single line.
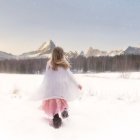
{"points": [[57, 121], [64, 114]]}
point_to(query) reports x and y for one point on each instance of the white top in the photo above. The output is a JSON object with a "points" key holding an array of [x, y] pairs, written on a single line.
{"points": [[58, 84]]}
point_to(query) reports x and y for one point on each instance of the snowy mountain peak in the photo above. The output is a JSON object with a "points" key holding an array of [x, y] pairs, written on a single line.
{"points": [[71, 54], [132, 50], [95, 52], [82, 53], [47, 46], [44, 50], [115, 52]]}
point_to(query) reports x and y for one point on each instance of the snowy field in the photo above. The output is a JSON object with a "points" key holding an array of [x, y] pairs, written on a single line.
{"points": [[109, 109]]}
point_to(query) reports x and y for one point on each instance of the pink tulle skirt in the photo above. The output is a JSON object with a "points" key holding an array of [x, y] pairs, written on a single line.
{"points": [[54, 106]]}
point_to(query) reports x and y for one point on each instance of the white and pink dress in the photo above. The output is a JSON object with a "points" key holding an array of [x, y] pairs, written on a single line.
{"points": [[57, 88]]}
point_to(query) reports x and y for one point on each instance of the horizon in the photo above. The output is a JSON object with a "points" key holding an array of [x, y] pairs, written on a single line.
{"points": [[79, 51], [73, 25]]}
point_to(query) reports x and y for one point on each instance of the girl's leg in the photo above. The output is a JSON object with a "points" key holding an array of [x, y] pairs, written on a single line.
{"points": [[57, 121], [64, 108], [54, 106], [65, 114], [51, 107]]}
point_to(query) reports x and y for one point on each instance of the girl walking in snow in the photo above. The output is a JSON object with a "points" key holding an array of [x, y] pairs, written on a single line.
{"points": [[58, 87]]}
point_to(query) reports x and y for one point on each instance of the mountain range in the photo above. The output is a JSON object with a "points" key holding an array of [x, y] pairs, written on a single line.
{"points": [[46, 48], [4, 55]]}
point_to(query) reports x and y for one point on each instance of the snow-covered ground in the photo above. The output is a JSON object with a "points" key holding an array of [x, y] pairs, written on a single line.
{"points": [[108, 110]]}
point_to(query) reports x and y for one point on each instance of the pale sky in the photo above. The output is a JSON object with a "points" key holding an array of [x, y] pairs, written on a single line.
{"points": [[71, 24]]}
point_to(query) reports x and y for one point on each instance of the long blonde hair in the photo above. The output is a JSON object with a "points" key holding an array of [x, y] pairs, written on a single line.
{"points": [[58, 59]]}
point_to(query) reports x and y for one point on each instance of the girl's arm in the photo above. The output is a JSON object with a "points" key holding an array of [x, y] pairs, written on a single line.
{"points": [[70, 74]]}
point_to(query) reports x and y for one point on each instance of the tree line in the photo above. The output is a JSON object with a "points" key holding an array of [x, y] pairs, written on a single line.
{"points": [[106, 63], [78, 64], [29, 66]]}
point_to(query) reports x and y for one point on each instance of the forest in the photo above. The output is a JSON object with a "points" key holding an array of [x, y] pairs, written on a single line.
{"points": [[82, 64]]}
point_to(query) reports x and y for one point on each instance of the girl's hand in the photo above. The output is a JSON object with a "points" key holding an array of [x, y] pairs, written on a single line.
{"points": [[80, 87]]}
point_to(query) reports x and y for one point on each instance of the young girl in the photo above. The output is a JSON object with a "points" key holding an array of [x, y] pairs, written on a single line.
{"points": [[58, 87]]}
